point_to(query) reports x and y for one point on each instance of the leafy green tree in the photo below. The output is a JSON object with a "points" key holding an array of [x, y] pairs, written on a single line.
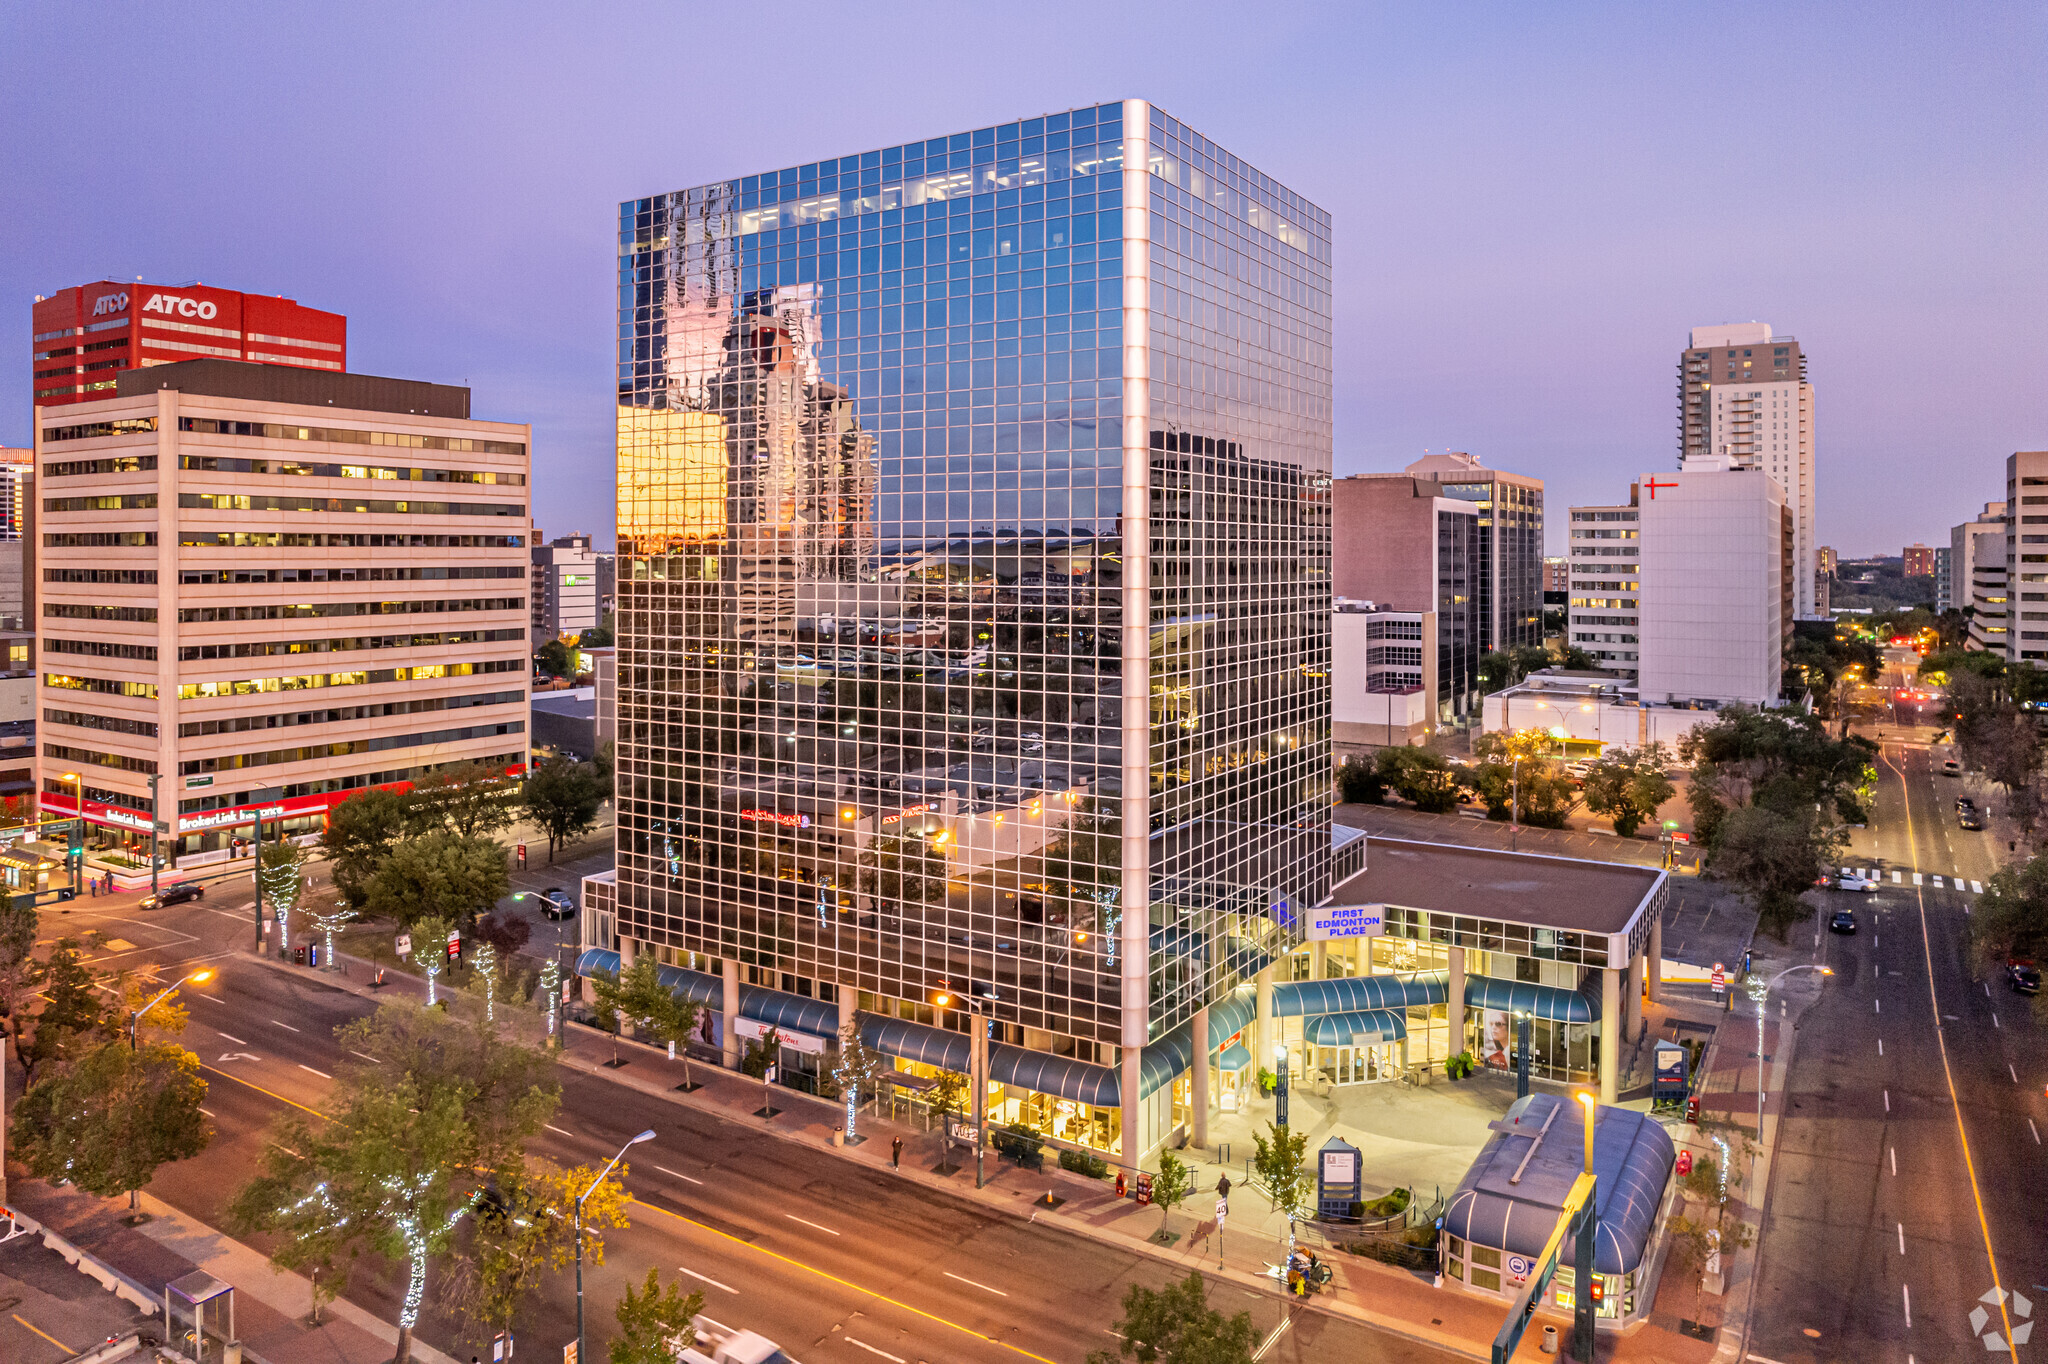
{"points": [[469, 800], [1281, 1170], [524, 1229], [1422, 778], [1773, 857], [1501, 668], [1541, 787], [2010, 919], [564, 799], [861, 1069], [1359, 782], [107, 1119], [438, 875], [360, 832], [555, 659], [598, 636], [655, 1322], [74, 1017], [1629, 786], [445, 1108], [1174, 1182], [637, 996], [1176, 1325], [948, 1093], [760, 1054]]}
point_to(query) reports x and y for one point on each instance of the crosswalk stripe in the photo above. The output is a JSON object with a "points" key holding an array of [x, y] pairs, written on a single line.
{"points": [[1976, 887], [1937, 883], [1895, 878], [1918, 880]]}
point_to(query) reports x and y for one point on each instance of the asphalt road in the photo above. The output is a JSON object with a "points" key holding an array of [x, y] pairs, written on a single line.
{"points": [[834, 1261], [1908, 1171]]}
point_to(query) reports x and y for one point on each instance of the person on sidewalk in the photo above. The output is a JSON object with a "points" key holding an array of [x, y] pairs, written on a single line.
{"points": [[1223, 1187], [896, 1153]]}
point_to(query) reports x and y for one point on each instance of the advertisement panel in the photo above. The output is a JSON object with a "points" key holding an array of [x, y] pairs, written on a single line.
{"points": [[1496, 1039]]}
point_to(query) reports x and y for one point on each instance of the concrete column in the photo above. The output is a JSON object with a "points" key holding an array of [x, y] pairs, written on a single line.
{"points": [[1657, 956], [1457, 1001], [1632, 1005], [1134, 1146], [847, 998], [729, 1035], [1198, 1119], [1318, 960], [1611, 1023], [1262, 1024], [625, 954]]}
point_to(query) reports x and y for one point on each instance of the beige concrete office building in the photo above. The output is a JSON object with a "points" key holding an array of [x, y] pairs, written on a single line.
{"points": [[273, 587]]}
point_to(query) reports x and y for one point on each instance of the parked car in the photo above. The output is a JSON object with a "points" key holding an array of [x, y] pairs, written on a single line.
{"points": [[2024, 977], [1969, 819], [174, 895], [1844, 921], [557, 903], [1850, 880]]}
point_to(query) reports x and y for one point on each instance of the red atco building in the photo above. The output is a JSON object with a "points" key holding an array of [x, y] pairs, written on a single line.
{"points": [[85, 336]]}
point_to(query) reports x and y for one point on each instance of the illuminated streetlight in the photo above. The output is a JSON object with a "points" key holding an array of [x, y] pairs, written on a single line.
{"points": [[648, 1135]]}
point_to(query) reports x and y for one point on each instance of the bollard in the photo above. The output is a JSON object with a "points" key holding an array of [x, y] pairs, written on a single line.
{"points": [[1550, 1340]]}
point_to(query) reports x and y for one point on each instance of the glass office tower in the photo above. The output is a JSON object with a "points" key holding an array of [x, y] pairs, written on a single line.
{"points": [[973, 612]]}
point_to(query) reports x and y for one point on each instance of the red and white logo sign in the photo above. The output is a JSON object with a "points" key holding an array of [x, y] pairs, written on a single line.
{"points": [[171, 305]]}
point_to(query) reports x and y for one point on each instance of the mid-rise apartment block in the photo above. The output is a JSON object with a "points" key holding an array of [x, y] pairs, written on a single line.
{"points": [[1956, 588], [1507, 595], [1384, 686], [1717, 554], [2026, 556], [1917, 561], [974, 608], [87, 336], [265, 589], [1743, 397], [1604, 610]]}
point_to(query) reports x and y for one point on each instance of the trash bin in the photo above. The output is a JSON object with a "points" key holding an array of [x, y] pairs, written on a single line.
{"points": [[299, 955], [1550, 1340], [839, 1136]]}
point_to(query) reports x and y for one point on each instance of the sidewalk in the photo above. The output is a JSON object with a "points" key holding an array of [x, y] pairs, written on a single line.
{"points": [[270, 1306]]}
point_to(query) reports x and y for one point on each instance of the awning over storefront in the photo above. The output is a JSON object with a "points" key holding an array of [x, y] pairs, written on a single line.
{"points": [[694, 986], [1346, 1030], [1234, 1057], [1228, 1015], [919, 1042], [596, 959], [1351, 994], [789, 1011], [1043, 1073], [1538, 1001]]}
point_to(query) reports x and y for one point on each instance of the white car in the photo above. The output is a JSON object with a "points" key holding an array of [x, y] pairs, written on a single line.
{"points": [[1850, 880]]}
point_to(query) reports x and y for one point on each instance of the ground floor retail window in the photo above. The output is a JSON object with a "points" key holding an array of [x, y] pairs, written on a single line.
{"points": [[1064, 1120], [1567, 1052]]}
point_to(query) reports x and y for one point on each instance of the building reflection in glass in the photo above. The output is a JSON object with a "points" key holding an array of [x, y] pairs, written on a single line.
{"points": [[973, 603]]}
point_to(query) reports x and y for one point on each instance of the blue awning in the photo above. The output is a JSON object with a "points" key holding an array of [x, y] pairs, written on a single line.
{"points": [[918, 1042], [1164, 1058], [794, 1012], [1374, 1025], [1060, 1075], [596, 959], [1234, 1057], [1228, 1015], [695, 986], [1351, 994], [1538, 1001]]}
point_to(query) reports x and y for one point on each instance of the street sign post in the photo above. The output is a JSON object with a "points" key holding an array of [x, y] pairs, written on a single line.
{"points": [[1576, 1217]]}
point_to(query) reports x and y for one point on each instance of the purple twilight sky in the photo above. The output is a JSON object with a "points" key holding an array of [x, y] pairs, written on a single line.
{"points": [[1532, 203]]}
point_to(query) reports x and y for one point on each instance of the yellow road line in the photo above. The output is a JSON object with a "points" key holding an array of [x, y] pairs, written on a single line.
{"points": [[44, 1334], [1941, 1040], [272, 1093], [844, 1283]]}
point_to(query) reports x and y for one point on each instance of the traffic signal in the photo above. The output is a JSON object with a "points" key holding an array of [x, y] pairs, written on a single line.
{"points": [[1599, 1289], [1692, 1109]]}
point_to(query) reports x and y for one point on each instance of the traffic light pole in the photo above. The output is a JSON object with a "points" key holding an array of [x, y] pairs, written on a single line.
{"points": [[155, 823]]}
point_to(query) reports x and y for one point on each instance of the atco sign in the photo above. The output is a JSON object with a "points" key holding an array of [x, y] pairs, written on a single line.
{"points": [[109, 303], [170, 305]]}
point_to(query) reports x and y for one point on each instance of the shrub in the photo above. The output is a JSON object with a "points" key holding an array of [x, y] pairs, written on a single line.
{"points": [[1082, 1163]]}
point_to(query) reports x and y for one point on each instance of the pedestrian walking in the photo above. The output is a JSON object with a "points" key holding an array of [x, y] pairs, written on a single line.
{"points": [[896, 1153], [1223, 1187]]}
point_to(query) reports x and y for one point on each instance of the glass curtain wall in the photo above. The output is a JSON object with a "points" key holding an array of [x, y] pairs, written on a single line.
{"points": [[872, 455]]}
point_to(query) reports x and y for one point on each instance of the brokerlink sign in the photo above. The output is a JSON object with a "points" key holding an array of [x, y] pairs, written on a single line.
{"points": [[1346, 921]]}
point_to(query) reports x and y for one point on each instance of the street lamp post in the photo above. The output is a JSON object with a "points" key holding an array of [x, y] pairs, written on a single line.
{"points": [[1758, 991], [1523, 1027], [154, 825], [977, 1065], [1583, 1311], [1515, 813], [135, 1019], [76, 861], [648, 1135]]}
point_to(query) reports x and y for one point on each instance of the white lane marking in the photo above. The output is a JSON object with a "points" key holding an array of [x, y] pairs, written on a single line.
{"points": [[712, 1322], [210, 1113], [2035, 1130], [1902, 1238], [232, 1038], [812, 1225], [2010, 1071], [1895, 1162], [863, 1345], [1987, 989], [286, 1026], [552, 1128], [706, 1278], [972, 1284], [366, 1056], [1887, 1101], [1895, 878], [1976, 887], [1908, 1292], [321, 1073], [1273, 1339], [1880, 1046], [1994, 1019], [677, 1173], [1877, 1004]]}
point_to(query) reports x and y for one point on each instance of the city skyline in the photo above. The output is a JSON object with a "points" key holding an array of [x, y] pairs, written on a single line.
{"points": [[1883, 190]]}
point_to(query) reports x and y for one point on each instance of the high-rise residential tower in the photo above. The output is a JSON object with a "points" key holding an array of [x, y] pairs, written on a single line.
{"points": [[2026, 557], [1954, 589], [1507, 594], [973, 605], [1604, 617], [1743, 396]]}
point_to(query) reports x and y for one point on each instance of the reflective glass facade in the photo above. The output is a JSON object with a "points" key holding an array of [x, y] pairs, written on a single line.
{"points": [[974, 574]]}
